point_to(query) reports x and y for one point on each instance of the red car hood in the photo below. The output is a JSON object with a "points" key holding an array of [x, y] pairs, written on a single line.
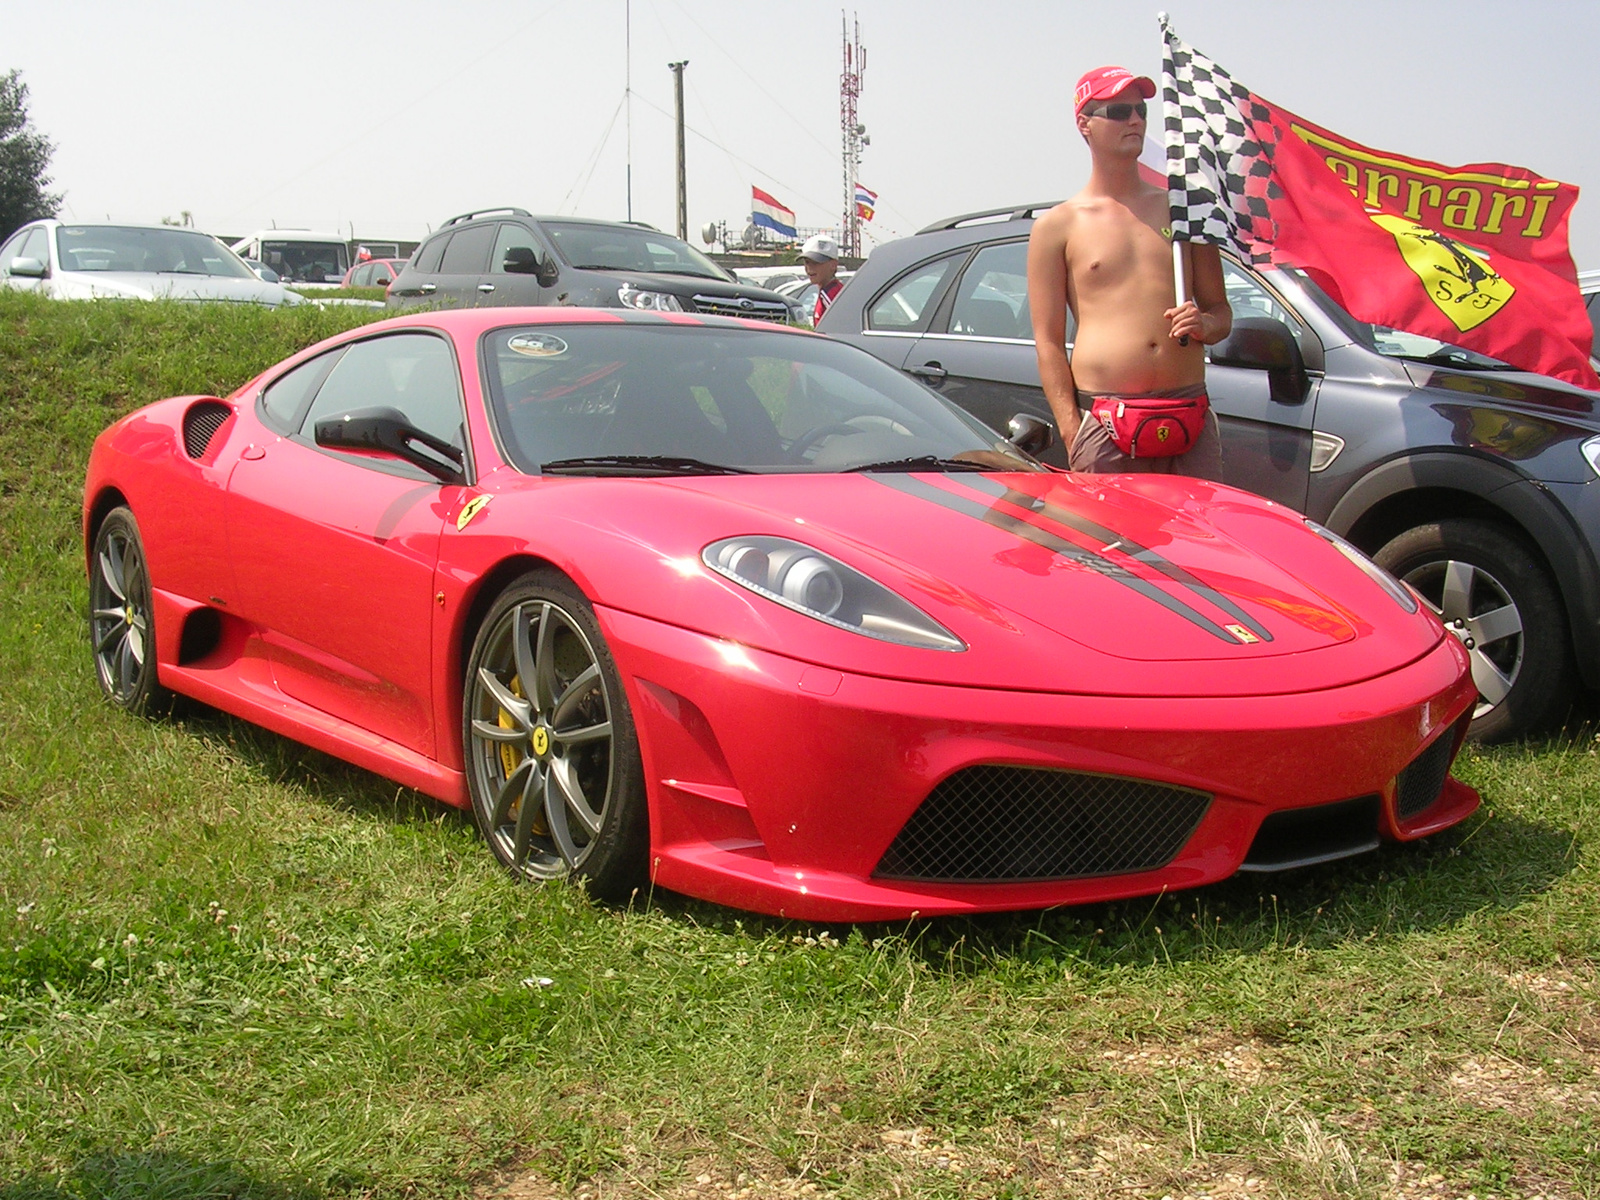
{"points": [[1145, 585]]}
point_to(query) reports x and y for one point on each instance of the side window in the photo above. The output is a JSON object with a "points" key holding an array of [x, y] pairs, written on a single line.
{"points": [[516, 251], [286, 398], [12, 249], [904, 304], [382, 274], [1247, 298], [413, 372], [428, 258], [37, 246], [469, 251], [992, 298], [361, 276]]}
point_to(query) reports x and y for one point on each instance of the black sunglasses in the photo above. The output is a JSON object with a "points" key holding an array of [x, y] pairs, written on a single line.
{"points": [[1121, 111]]}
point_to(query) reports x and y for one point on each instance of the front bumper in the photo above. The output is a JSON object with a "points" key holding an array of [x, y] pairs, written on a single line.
{"points": [[778, 786]]}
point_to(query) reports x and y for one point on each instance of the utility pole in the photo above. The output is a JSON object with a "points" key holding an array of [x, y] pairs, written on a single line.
{"points": [[855, 69], [683, 182], [627, 90]]}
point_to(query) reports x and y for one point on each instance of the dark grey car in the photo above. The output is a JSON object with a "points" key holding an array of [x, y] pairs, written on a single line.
{"points": [[506, 256], [1476, 483]]}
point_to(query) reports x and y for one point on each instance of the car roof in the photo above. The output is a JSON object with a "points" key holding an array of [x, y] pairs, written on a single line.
{"points": [[471, 322]]}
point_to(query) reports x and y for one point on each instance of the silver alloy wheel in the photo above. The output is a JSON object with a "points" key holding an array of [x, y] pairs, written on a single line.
{"points": [[540, 713], [1479, 611], [119, 617]]}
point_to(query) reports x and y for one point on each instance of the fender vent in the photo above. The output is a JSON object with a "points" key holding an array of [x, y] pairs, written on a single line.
{"points": [[995, 823], [200, 425]]}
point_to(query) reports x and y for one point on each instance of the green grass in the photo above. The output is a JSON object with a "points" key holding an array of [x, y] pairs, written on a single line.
{"points": [[231, 966]]}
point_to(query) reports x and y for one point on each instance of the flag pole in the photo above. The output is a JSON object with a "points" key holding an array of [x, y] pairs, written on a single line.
{"points": [[1180, 285]]}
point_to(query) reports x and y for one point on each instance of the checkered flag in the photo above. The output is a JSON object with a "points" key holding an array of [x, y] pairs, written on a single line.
{"points": [[1221, 139]]}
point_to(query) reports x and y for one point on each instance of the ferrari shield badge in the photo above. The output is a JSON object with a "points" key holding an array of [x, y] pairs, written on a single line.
{"points": [[471, 509], [1456, 276]]}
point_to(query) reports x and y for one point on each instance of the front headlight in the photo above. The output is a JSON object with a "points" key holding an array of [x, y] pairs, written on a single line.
{"points": [[820, 586], [1398, 591], [633, 297]]}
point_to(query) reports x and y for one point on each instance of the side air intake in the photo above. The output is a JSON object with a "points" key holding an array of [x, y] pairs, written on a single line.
{"points": [[200, 425]]}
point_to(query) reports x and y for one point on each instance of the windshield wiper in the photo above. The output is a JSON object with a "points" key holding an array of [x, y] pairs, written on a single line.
{"points": [[181, 271], [922, 462], [1453, 358], [637, 464]]}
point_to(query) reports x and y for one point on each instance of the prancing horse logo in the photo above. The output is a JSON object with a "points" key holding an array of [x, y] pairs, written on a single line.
{"points": [[1456, 276]]}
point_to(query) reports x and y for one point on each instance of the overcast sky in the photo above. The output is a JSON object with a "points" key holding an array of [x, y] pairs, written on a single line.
{"points": [[387, 118]]}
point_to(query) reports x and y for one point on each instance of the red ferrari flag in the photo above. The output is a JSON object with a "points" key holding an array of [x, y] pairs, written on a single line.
{"points": [[1475, 256]]}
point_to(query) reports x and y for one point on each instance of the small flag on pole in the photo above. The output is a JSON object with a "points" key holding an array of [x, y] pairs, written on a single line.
{"points": [[866, 202], [767, 213]]}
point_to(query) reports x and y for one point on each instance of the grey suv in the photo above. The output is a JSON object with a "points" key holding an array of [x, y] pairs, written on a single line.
{"points": [[506, 256], [1476, 483]]}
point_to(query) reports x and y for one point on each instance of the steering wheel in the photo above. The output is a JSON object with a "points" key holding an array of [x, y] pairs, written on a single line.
{"points": [[816, 433]]}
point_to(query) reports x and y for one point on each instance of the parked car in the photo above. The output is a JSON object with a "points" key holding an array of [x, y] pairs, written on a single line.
{"points": [[506, 256], [79, 261], [375, 272], [302, 257], [1474, 482], [741, 611], [1589, 286]]}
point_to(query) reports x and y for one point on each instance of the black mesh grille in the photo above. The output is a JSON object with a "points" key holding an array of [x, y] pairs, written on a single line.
{"points": [[200, 425], [1419, 784], [1014, 823]]}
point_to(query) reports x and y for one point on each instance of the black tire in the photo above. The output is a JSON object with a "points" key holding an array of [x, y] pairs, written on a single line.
{"points": [[122, 632], [1494, 594], [538, 755]]}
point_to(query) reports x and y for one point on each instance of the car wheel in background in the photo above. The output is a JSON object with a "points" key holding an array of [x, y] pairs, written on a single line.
{"points": [[1501, 603], [552, 759], [121, 630]]}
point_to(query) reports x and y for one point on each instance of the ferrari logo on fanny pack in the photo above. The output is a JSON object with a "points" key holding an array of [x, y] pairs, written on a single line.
{"points": [[1163, 433]]}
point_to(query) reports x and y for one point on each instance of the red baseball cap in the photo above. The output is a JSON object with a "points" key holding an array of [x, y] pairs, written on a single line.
{"points": [[1104, 82]]}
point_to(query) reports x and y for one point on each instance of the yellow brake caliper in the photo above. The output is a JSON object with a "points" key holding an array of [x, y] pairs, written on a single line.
{"points": [[511, 757]]}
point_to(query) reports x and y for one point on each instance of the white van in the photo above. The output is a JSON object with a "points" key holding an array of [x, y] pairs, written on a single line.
{"points": [[300, 256]]}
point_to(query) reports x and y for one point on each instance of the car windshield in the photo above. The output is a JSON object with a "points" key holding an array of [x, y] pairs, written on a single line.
{"points": [[306, 262], [635, 398], [631, 248], [129, 248]]}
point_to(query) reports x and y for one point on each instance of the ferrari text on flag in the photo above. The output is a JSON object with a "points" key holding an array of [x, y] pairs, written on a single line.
{"points": [[1475, 256], [866, 202], [767, 213]]}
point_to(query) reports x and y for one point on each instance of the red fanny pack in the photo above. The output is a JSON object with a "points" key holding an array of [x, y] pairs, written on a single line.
{"points": [[1152, 426]]}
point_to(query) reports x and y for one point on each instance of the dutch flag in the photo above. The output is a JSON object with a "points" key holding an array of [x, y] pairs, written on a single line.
{"points": [[767, 213], [866, 202]]}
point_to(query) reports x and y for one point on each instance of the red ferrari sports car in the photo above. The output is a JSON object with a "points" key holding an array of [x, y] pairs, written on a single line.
{"points": [[743, 611]]}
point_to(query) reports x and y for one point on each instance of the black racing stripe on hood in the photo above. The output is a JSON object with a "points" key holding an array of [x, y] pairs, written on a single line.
{"points": [[1110, 537], [989, 515]]}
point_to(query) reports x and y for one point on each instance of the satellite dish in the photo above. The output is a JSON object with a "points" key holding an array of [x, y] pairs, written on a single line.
{"points": [[708, 232]]}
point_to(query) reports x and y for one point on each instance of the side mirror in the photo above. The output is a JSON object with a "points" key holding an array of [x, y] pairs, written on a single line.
{"points": [[386, 431], [1030, 434], [520, 260], [27, 268], [549, 273], [1265, 344]]}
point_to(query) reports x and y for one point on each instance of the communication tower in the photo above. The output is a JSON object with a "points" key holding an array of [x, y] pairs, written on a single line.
{"points": [[855, 133]]}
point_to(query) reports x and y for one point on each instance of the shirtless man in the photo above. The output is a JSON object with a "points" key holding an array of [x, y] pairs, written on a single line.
{"points": [[1106, 254]]}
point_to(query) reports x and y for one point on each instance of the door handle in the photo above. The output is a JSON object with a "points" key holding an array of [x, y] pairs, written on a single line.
{"points": [[932, 372], [486, 287], [427, 288]]}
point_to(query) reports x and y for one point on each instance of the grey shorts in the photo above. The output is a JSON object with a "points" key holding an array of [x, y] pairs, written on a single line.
{"points": [[1094, 451]]}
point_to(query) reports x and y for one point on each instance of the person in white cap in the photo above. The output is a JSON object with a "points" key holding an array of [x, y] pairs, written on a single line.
{"points": [[820, 257], [1132, 395]]}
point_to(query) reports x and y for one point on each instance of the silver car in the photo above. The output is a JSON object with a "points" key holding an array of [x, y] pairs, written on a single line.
{"points": [[130, 262]]}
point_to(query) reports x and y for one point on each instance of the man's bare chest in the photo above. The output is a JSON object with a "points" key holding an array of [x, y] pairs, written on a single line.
{"points": [[1112, 252]]}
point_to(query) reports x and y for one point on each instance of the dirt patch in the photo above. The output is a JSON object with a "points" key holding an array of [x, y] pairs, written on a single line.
{"points": [[1500, 1083]]}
